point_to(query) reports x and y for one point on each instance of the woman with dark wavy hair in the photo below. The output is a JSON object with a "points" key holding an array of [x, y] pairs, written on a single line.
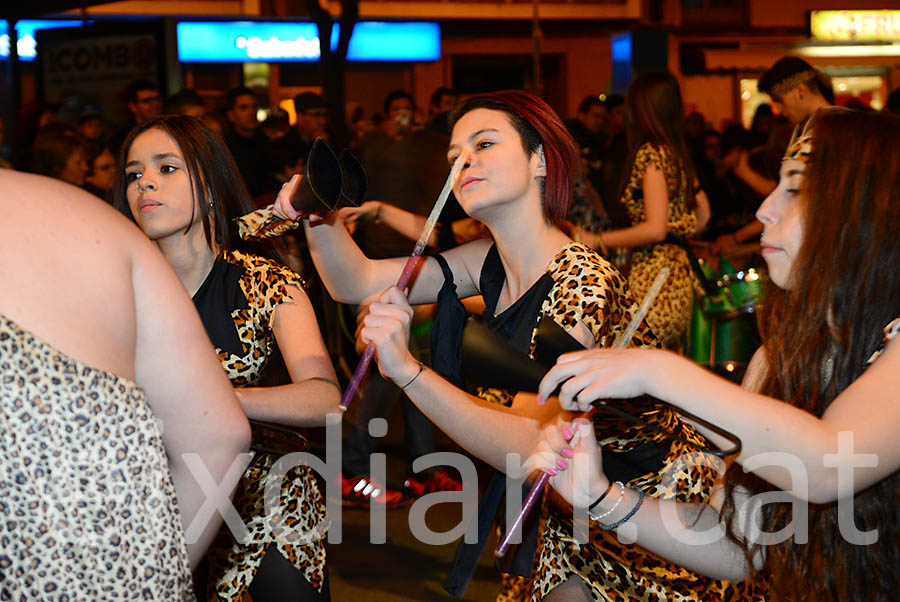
{"points": [[821, 392], [516, 162], [178, 182]]}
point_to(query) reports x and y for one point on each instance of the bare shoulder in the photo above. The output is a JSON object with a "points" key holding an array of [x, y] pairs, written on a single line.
{"points": [[69, 259], [466, 261]]}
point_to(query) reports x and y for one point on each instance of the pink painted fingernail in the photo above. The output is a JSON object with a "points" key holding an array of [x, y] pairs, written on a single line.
{"points": [[566, 433], [552, 472], [540, 400], [568, 453], [562, 464]]}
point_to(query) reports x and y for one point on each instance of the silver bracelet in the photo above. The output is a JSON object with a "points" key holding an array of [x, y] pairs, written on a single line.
{"points": [[616, 505], [421, 369], [627, 517]]}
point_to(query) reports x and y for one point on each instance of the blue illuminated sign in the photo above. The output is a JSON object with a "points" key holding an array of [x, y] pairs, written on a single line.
{"points": [[25, 31], [251, 41]]}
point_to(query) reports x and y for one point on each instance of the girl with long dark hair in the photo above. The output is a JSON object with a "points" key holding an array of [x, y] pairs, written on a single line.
{"points": [[660, 196], [818, 412], [516, 160], [177, 181]]}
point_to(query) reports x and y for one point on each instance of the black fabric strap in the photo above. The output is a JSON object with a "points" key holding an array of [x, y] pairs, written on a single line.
{"points": [[447, 330], [709, 287]]}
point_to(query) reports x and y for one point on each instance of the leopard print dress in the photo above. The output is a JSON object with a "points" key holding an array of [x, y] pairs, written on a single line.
{"points": [[671, 312], [588, 289], [88, 504], [237, 306]]}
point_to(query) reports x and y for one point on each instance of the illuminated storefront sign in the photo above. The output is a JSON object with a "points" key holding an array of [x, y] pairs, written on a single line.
{"points": [[248, 41], [856, 25], [25, 31]]}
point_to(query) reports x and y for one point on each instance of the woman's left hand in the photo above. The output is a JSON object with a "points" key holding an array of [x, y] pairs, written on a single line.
{"points": [[587, 376], [386, 325]]}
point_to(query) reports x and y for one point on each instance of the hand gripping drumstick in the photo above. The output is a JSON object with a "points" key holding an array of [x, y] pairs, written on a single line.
{"points": [[621, 342], [405, 276]]}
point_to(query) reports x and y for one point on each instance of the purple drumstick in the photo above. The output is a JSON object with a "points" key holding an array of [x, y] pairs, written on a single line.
{"points": [[621, 342], [405, 276]]}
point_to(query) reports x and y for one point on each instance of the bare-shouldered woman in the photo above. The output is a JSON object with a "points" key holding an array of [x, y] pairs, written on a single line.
{"points": [[109, 382]]}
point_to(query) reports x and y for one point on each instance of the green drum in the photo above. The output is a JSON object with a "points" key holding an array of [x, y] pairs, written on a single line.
{"points": [[723, 333]]}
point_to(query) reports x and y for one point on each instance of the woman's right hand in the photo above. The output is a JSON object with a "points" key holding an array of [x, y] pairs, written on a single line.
{"points": [[587, 376], [386, 325], [282, 206]]}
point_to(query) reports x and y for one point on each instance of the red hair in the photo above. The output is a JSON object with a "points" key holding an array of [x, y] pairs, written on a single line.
{"points": [[539, 127]]}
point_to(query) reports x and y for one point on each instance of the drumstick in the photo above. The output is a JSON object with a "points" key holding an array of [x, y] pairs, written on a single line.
{"points": [[621, 342], [405, 276]]}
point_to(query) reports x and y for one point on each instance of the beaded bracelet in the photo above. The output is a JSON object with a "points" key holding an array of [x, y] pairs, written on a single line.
{"points": [[421, 368], [616, 505], [627, 517]]}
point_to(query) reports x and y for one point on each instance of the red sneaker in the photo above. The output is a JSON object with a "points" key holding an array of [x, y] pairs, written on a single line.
{"points": [[439, 480], [361, 491]]}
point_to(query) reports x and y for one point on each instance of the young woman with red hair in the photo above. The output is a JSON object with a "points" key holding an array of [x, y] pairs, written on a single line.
{"points": [[516, 177]]}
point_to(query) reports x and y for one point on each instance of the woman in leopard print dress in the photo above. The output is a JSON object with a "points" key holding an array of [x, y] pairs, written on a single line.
{"points": [[818, 411], [515, 157], [661, 198], [178, 182]]}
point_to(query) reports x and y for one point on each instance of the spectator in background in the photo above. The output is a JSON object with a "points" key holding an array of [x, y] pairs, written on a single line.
{"points": [[216, 121], [587, 128], [312, 122], [90, 124], [589, 209], [31, 117], [857, 105], [276, 124], [615, 156], [144, 102], [248, 145], [797, 88], [398, 109], [58, 152], [101, 168], [893, 101], [753, 171], [185, 102], [694, 128], [440, 104], [761, 126]]}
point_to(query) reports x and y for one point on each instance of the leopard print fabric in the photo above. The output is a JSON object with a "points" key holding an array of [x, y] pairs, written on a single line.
{"points": [[614, 571], [671, 312], [586, 289], [262, 224], [890, 332], [299, 534], [589, 290], [88, 504]]}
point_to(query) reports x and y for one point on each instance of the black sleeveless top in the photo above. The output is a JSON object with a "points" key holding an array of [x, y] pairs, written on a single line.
{"points": [[515, 324]]}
